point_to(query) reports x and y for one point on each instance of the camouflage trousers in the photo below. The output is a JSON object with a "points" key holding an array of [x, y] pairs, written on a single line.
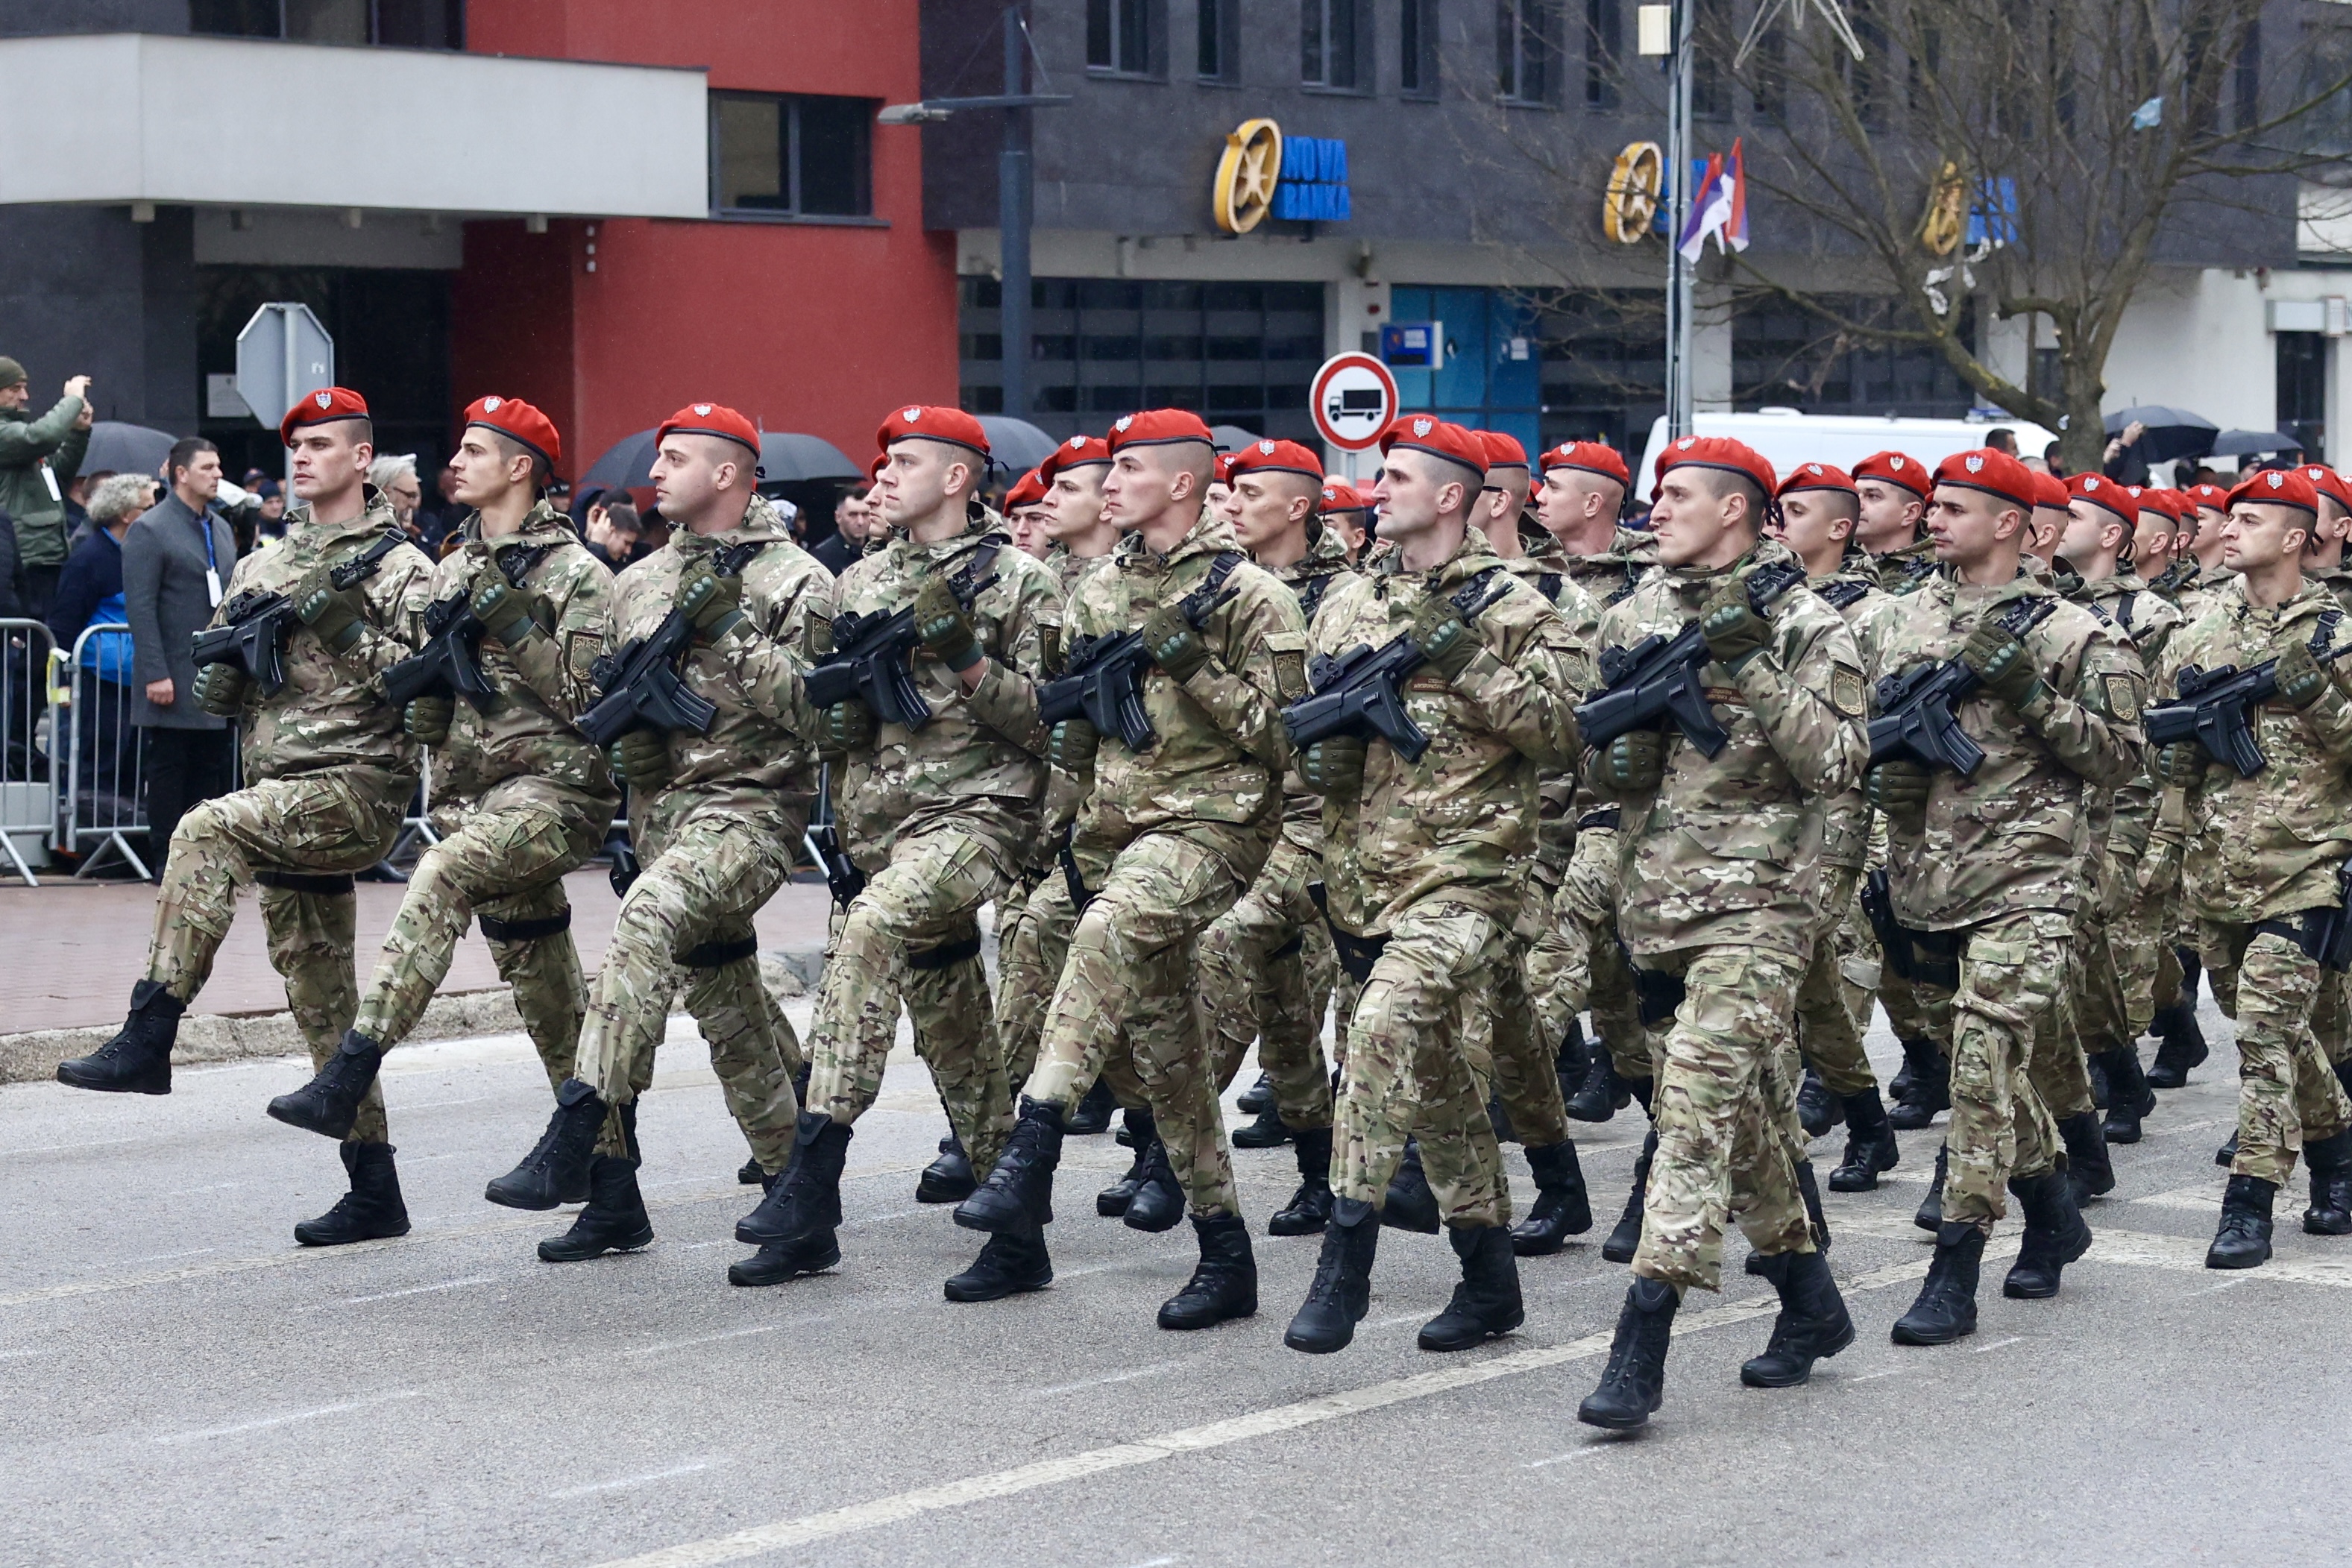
{"points": [[1725, 1111], [1032, 947], [1588, 894], [1131, 958], [1829, 1032], [2013, 971], [1517, 1061], [1560, 961], [2057, 1062], [1406, 1072], [911, 939], [2287, 1095], [324, 824], [708, 871], [1265, 974], [2139, 950]]}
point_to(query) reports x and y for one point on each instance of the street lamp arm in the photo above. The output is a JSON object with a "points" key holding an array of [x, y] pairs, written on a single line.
{"points": [[938, 108]]}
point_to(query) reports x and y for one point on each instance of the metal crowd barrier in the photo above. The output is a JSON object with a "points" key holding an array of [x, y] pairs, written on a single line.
{"points": [[29, 782], [104, 801]]}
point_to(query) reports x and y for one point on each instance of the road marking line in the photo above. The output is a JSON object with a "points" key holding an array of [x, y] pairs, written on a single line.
{"points": [[1571, 1454], [69, 1148], [675, 1470], [164, 1257], [1997, 1345], [269, 1421], [2145, 1250], [730, 1333], [880, 1511], [1889, 1372], [1153, 1371], [421, 1290]]}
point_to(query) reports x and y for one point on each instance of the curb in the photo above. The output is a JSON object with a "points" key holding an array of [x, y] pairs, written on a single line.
{"points": [[33, 1055]]}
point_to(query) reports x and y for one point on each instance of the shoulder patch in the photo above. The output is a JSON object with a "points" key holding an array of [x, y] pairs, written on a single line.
{"points": [[2122, 694], [1288, 650], [1848, 691]]}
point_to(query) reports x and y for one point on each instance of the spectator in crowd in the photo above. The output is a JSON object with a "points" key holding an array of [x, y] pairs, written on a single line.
{"points": [[2124, 462], [13, 596], [78, 527], [175, 566], [653, 532], [2002, 439], [269, 523], [2050, 458], [89, 594], [848, 540], [559, 496], [396, 476], [614, 530], [38, 458]]}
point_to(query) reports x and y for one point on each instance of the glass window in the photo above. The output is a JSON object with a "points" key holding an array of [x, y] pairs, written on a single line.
{"points": [[1330, 44], [1417, 49], [1526, 50], [1119, 36], [1220, 27], [408, 24], [1603, 39], [790, 156]]}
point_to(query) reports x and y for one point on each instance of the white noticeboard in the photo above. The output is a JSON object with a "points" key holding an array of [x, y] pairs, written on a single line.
{"points": [[1353, 398]]}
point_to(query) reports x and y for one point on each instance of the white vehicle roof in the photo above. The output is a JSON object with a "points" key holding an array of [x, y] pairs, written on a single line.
{"points": [[1786, 437]]}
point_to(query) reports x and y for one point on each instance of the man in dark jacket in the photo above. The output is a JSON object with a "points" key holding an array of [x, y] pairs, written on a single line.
{"points": [[38, 458], [89, 594], [176, 564]]}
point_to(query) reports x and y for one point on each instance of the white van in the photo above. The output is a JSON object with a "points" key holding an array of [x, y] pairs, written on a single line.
{"points": [[1786, 437]]}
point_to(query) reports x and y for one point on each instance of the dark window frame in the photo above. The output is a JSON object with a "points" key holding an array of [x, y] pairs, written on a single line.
{"points": [[1217, 28], [1419, 78], [854, 113], [1114, 50], [1322, 19], [1604, 43], [267, 19], [1528, 54]]}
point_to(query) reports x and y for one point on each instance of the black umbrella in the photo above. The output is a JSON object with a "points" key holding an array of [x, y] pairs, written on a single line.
{"points": [[1015, 442], [628, 464], [2170, 433], [116, 447], [2254, 444]]}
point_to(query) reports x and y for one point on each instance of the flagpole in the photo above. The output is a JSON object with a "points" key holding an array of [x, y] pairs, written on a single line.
{"points": [[1678, 271]]}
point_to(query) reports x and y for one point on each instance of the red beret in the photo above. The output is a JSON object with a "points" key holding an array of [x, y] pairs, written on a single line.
{"points": [[1427, 432], [1339, 496], [1816, 476], [1158, 427], [915, 421], [1997, 474], [1719, 451], [1502, 451], [874, 469], [1894, 468], [518, 420], [2049, 490], [710, 419], [2104, 492], [1027, 491], [2152, 498], [1077, 452], [1274, 457], [2212, 498], [2279, 488], [2325, 481], [1221, 468], [1593, 457], [324, 407]]}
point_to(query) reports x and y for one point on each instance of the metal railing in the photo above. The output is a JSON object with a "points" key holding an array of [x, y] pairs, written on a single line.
{"points": [[29, 782], [104, 801]]}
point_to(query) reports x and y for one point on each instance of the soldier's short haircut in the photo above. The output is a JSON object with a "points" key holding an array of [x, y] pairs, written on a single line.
{"points": [[1723, 483], [511, 449]]}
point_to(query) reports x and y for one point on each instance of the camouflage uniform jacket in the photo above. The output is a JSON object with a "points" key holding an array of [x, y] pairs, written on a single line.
{"points": [[1063, 793], [1609, 576], [1869, 610], [2176, 582], [2149, 620], [981, 752], [1902, 572], [1220, 749], [1313, 579], [2010, 838], [2337, 579], [1726, 850], [1453, 825], [1545, 568], [543, 687], [330, 713], [748, 762], [2204, 587], [2267, 846]]}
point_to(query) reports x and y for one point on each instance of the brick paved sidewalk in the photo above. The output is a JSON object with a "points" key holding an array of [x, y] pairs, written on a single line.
{"points": [[70, 952]]}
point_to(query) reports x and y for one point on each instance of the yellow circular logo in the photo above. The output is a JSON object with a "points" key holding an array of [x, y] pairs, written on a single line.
{"points": [[1246, 173], [1633, 185]]}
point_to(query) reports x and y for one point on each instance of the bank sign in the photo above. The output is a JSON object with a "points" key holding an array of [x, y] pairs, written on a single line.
{"points": [[1263, 173]]}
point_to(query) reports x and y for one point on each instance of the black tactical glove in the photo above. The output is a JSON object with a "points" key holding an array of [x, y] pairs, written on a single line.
{"points": [[1071, 744], [943, 626], [1334, 765], [1898, 788], [504, 611], [2180, 764], [642, 760], [2001, 663], [714, 604], [327, 611], [221, 690], [1634, 761], [1173, 642], [1443, 636], [848, 726], [427, 719], [2300, 679], [1734, 631]]}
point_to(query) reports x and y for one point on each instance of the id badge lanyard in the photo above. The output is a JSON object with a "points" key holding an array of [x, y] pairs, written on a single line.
{"points": [[212, 563]]}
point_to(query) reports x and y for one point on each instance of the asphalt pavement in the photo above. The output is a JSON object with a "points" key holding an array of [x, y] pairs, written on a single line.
{"points": [[184, 1384]]}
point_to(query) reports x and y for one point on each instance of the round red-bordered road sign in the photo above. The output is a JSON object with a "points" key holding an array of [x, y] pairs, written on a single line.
{"points": [[1353, 399]]}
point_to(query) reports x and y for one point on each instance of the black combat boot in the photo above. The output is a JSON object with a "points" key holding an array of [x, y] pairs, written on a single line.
{"points": [[949, 1178], [556, 1170], [1486, 1303], [1018, 1194], [1602, 1094], [330, 1103], [1899, 1088], [1562, 1207], [1410, 1203], [804, 1208], [1634, 1383], [2184, 1040], [750, 1172], [1947, 1308], [1158, 1203], [2130, 1098], [1093, 1112], [139, 1060], [1929, 1090], [1870, 1146], [1310, 1209], [2329, 1162], [1817, 1221], [1930, 1216], [614, 1220], [1010, 1264], [1817, 1109], [2088, 1168], [1626, 1238], [1143, 1134], [2227, 1154], [1268, 1132], [2243, 1241], [1568, 1063], [1259, 1098], [2055, 1234], [1813, 1323], [1223, 1283], [370, 1211], [1341, 1291]]}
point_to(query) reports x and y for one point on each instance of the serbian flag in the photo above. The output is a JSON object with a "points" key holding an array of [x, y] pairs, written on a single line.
{"points": [[1710, 206], [1735, 225]]}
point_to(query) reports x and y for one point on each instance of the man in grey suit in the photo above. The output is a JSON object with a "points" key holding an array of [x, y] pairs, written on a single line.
{"points": [[175, 566]]}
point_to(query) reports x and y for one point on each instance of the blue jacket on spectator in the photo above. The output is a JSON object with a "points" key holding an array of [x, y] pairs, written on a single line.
{"points": [[92, 580]]}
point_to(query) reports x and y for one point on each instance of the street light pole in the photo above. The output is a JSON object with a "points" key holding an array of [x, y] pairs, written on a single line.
{"points": [[1679, 273], [1014, 211]]}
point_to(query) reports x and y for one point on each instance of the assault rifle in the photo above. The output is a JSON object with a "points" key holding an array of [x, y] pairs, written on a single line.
{"points": [[841, 873], [1927, 958], [2215, 706], [1105, 681], [450, 663], [1362, 692], [1656, 683], [872, 656], [642, 688], [255, 623], [1915, 708]]}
